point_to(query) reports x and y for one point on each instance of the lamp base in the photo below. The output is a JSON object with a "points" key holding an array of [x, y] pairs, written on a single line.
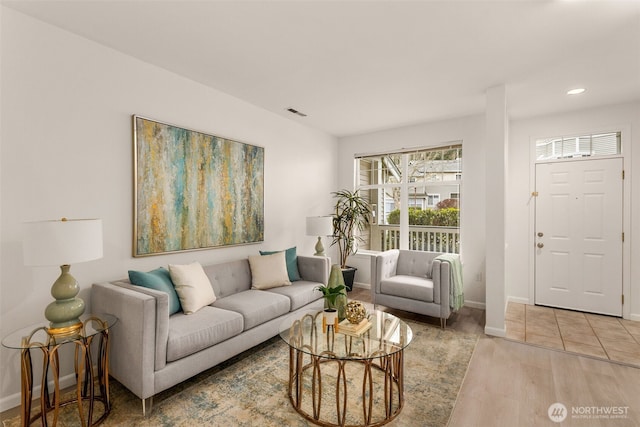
{"points": [[319, 248], [64, 313]]}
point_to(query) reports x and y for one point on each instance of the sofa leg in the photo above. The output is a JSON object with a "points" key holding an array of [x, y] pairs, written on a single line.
{"points": [[146, 409], [443, 323]]}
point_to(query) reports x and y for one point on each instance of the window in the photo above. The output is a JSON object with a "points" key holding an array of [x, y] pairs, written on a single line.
{"points": [[417, 179], [433, 200], [603, 144], [416, 203]]}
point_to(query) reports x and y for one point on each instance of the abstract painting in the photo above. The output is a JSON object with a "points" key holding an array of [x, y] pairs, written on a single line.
{"points": [[193, 190]]}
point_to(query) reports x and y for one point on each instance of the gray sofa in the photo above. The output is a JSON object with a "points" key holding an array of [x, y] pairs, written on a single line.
{"points": [[412, 281], [152, 351]]}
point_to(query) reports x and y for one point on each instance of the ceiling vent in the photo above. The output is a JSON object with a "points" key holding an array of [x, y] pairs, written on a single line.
{"points": [[294, 111]]}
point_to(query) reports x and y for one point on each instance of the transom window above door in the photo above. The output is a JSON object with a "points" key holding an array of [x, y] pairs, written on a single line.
{"points": [[576, 146]]}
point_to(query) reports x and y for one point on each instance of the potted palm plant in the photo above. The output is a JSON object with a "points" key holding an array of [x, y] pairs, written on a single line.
{"points": [[351, 215]]}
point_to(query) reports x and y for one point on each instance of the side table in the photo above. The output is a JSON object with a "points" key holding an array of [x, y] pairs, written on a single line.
{"points": [[37, 337]]}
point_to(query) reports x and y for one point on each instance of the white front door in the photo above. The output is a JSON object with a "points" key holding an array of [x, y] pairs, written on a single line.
{"points": [[578, 262]]}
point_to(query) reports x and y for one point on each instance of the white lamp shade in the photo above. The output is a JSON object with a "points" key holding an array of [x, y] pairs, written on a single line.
{"points": [[319, 226], [60, 242]]}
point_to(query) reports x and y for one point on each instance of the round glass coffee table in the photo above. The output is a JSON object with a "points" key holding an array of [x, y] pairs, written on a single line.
{"points": [[346, 375]]}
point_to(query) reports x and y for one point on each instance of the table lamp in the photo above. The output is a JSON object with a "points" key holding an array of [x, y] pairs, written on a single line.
{"points": [[319, 226], [62, 242]]}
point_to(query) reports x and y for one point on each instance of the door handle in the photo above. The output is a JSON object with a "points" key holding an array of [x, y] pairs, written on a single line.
{"points": [[540, 245]]}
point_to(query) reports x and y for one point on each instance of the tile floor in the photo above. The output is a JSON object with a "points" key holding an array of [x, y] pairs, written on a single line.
{"points": [[595, 335]]}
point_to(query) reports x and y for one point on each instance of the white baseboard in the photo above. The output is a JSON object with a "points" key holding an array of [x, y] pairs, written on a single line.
{"points": [[475, 304], [635, 317], [518, 300], [495, 332], [361, 285], [14, 400]]}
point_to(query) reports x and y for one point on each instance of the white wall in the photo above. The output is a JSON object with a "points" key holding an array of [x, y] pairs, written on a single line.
{"points": [[518, 224], [67, 151], [626, 117], [469, 130], [495, 158]]}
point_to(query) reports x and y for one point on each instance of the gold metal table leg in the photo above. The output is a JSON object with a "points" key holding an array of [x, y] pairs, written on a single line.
{"points": [[85, 378], [391, 367]]}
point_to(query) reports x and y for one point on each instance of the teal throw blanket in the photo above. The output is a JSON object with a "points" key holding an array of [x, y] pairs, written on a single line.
{"points": [[456, 292]]}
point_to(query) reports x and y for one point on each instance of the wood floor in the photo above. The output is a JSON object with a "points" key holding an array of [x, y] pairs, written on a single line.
{"points": [[513, 384]]}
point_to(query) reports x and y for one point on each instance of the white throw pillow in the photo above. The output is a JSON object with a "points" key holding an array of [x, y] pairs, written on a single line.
{"points": [[192, 286], [268, 271]]}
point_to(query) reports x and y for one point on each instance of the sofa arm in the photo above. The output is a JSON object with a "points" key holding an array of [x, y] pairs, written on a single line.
{"points": [[133, 339], [314, 268], [441, 276]]}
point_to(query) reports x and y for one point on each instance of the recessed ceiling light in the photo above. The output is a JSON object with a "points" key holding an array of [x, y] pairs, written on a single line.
{"points": [[576, 91]]}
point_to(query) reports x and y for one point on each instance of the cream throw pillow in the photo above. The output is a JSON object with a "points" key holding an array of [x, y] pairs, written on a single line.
{"points": [[192, 286], [268, 271]]}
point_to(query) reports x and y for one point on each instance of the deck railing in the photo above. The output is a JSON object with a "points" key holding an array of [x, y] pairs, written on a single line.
{"points": [[421, 238]]}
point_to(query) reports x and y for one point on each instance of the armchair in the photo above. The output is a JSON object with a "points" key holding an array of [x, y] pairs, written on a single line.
{"points": [[415, 281]]}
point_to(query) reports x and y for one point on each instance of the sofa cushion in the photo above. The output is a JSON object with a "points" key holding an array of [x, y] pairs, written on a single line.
{"points": [[160, 280], [300, 293], [189, 334], [255, 306], [192, 285], [268, 271], [291, 259], [230, 277], [412, 287]]}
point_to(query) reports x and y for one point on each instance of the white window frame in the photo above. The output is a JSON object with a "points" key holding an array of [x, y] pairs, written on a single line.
{"points": [[404, 185]]}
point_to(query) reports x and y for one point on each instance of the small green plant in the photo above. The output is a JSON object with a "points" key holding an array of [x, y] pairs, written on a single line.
{"points": [[331, 294]]}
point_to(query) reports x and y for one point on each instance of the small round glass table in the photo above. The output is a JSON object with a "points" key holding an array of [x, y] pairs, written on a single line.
{"points": [[327, 362], [37, 337]]}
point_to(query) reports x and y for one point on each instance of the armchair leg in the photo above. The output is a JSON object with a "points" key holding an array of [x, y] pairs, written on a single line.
{"points": [[443, 323], [146, 411]]}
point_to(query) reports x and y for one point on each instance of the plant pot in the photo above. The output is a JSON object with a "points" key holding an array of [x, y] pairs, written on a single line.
{"points": [[349, 274], [329, 318]]}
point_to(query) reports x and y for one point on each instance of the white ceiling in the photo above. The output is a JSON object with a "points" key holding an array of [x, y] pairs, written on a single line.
{"points": [[360, 66]]}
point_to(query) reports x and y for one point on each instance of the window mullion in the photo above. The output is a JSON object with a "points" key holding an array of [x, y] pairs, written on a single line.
{"points": [[404, 204]]}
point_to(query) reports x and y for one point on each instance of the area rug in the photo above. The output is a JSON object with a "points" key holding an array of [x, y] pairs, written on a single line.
{"points": [[251, 389]]}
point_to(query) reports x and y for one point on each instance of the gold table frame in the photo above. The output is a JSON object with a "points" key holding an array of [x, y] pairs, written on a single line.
{"points": [[39, 337], [307, 336]]}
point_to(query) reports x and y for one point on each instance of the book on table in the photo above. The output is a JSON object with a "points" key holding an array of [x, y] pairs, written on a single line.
{"points": [[354, 329]]}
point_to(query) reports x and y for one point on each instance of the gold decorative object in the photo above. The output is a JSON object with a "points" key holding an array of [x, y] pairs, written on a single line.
{"points": [[356, 311]]}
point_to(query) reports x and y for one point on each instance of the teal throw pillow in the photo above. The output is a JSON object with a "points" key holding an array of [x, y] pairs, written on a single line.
{"points": [[160, 280], [291, 258]]}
